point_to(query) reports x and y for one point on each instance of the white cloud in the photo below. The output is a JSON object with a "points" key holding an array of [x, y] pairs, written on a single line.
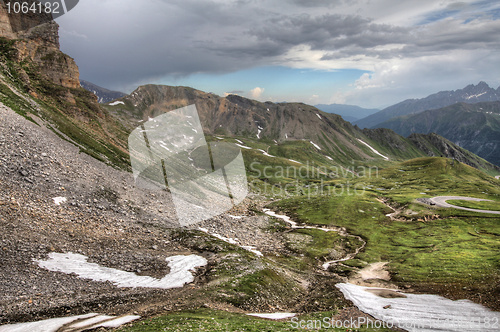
{"points": [[338, 98], [399, 79], [256, 93]]}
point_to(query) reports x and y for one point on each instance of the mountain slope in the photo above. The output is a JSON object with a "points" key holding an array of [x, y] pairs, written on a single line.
{"points": [[290, 130], [470, 94], [237, 116], [475, 127], [41, 83], [349, 113], [435, 145], [103, 95]]}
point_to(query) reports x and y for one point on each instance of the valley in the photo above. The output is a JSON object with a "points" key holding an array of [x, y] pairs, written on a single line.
{"points": [[419, 243]]}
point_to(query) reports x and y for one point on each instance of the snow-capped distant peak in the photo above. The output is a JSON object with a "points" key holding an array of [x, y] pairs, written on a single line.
{"points": [[475, 96]]}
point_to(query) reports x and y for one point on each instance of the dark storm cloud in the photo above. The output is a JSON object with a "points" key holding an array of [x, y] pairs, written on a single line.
{"points": [[329, 32], [139, 41], [319, 3]]}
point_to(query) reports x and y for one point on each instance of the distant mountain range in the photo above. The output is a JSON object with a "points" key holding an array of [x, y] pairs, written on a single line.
{"points": [[349, 113], [470, 94], [475, 127], [103, 95]]}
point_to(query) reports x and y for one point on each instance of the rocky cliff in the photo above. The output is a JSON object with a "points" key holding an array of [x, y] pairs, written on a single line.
{"points": [[41, 83], [36, 38]]}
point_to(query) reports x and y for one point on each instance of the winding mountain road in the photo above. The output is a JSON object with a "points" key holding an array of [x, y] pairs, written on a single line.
{"points": [[441, 202]]}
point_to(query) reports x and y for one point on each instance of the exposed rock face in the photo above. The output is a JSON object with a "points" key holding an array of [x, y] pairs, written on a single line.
{"points": [[37, 38], [327, 133]]}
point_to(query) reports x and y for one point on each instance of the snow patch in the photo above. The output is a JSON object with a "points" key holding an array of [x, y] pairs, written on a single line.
{"points": [[237, 140], [315, 145], [117, 322], [91, 321], [329, 158], [117, 103], [82, 323], [475, 96], [231, 241], [244, 147], [258, 133], [411, 310], [281, 216], [295, 161], [180, 267], [373, 150], [59, 200], [319, 116], [253, 249], [275, 316], [266, 154]]}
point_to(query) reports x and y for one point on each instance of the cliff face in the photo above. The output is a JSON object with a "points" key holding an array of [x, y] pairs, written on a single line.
{"points": [[36, 38]]}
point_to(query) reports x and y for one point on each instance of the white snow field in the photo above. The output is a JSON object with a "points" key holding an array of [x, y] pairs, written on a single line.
{"points": [[422, 312], [275, 316], [373, 150], [73, 323], [180, 267]]}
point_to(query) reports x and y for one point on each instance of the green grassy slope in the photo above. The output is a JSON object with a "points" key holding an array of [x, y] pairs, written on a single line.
{"points": [[211, 320], [73, 114], [454, 252]]}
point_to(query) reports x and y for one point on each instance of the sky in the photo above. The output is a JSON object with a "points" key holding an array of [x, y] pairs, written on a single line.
{"points": [[370, 53]]}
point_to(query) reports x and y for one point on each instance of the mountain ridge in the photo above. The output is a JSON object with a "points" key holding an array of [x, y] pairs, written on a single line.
{"points": [[103, 95], [350, 113], [267, 122], [470, 94], [475, 127]]}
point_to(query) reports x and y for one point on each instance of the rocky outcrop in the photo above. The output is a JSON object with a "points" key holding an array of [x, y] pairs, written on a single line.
{"points": [[36, 38]]}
